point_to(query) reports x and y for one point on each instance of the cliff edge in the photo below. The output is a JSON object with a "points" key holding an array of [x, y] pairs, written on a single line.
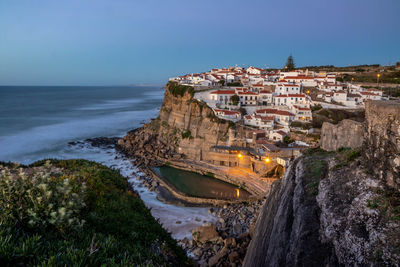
{"points": [[338, 208]]}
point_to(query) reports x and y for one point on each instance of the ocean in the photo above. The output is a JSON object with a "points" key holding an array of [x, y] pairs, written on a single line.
{"points": [[38, 122]]}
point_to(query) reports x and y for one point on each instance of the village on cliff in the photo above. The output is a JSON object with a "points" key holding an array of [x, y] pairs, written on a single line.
{"points": [[275, 105]]}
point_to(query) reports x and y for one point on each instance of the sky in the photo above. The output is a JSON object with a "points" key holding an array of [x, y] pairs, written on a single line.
{"points": [[121, 42]]}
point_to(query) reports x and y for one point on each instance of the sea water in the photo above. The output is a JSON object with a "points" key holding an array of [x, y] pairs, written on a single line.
{"points": [[38, 122]]}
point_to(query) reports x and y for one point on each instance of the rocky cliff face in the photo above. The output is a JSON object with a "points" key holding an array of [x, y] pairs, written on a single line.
{"points": [[346, 213], [382, 135], [327, 217], [286, 233], [185, 127], [347, 133]]}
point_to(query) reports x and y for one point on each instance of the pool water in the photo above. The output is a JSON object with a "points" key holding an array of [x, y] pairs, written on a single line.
{"points": [[197, 185]]}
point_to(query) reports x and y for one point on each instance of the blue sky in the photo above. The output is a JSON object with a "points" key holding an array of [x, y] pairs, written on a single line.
{"points": [[118, 42]]}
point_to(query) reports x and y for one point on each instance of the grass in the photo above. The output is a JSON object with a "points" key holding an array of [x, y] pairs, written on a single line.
{"points": [[388, 203], [316, 170], [119, 229], [345, 155]]}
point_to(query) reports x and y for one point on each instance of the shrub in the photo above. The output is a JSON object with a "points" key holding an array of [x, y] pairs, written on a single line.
{"points": [[316, 107], [186, 134], [235, 100], [40, 201], [119, 229], [177, 89]]}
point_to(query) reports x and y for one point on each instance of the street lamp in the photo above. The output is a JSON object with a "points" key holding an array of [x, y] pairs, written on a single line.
{"points": [[267, 160], [377, 78], [239, 155]]}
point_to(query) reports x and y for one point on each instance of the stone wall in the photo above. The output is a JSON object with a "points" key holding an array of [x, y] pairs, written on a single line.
{"points": [[382, 140], [347, 133]]}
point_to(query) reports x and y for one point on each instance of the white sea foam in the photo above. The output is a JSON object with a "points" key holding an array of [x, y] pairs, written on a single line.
{"points": [[45, 141]]}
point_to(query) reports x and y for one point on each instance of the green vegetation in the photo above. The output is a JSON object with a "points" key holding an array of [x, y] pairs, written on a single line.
{"points": [[290, 64], [235, 100], [287, 140], [243, 111], [335, 116], [388, 203], [345, 155], [210, 174], [316, 152], [316, 107], [77, 213], [234, 84], [187, 134], [177, 89], [221, 82], [316, 170], [303, 125], [231, 124]]}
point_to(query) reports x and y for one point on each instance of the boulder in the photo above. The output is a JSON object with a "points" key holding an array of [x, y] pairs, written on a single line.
{"points": [[204, 234]]}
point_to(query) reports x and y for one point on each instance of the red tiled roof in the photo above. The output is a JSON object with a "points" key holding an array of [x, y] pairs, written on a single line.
{"points": [[224, 92], [265, 92], [281, 133], [246, 93], [227, 112], [283, 113], [296, 95], [368, 93], [266, 111]]}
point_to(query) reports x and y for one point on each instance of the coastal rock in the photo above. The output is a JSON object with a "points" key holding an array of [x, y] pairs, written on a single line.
{"points": [[204, 234]]}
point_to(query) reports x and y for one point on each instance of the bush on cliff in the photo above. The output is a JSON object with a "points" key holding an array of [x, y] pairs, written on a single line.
{"points": [[177, 89], [77, 213]]}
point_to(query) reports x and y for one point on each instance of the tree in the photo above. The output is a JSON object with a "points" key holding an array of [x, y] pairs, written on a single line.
{"points": [[290, 63], [222, 82], [235, 100]]}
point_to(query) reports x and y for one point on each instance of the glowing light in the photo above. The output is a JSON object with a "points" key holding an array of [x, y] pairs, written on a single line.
{"points": [[239, 155], [378, 75], [267, 160], [308, 91], [237, 192]]}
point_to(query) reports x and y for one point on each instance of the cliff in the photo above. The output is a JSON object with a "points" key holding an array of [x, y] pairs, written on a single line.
{"points": [[185, 128], [182, 136], [341, 207], [325, 214], [382, 140], [347, 133]]}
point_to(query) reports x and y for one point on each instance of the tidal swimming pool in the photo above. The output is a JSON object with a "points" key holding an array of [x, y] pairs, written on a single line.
{"points": [[197, 185]]}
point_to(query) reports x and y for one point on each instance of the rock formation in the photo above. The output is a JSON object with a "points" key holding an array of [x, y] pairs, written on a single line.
{"points": [[382, 135], [184, 126], [344, 214], [347, 133]]}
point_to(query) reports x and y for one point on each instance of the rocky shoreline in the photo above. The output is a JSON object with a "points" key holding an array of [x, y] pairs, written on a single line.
{"points": [[222, 243]]}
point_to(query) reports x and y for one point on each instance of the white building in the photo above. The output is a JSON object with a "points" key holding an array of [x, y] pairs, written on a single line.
{"points": [[371, 96], [340, 96], [277, 135], [228, 114], [302, 113], [222, 96], [286, 88], [248, 98], [265, 97], [290, 100], [261, 122]]}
